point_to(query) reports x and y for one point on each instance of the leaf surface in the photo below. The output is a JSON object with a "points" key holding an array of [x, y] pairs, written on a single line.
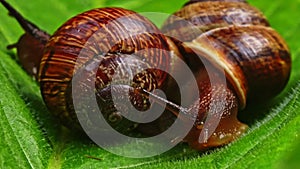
{"points": [[32, 138]]}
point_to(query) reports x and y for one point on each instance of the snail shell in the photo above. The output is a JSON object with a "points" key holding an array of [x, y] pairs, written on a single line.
{"points": [[208, 15], [235, 38], [103, 37]]}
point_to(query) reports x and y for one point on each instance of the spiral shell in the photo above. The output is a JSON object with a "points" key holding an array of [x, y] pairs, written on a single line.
{"points": [[103, 37], [236, 38]]}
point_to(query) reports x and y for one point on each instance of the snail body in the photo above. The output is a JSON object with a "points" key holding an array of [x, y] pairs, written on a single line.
{"points": [[227, 36]]}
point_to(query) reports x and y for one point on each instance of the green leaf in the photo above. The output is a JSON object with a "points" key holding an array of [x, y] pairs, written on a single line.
{"points": [[32, 138]]}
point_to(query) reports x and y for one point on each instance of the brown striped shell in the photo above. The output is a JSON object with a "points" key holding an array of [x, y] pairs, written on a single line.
{"points": [[208, 15], [108, 36], [236, 37], [233, 37], [255, 58], [196, 1]]}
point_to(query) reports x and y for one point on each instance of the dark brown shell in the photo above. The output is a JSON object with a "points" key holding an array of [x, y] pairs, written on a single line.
{"points": [[108, 34], [197, 18], [196, 1], [238, 35], [255, 59]]}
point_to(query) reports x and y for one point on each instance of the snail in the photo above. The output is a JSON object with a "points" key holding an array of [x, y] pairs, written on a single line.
{"points": [[125, 41], [237, 39], [230, 36]]}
